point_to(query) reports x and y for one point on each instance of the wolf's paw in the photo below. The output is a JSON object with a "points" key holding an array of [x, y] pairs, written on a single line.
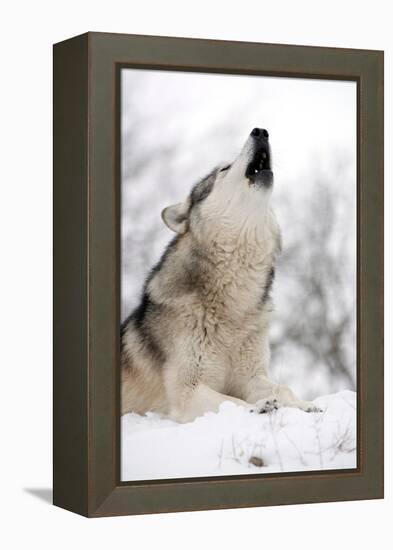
{"points": [[309, 407], [266, 405]]}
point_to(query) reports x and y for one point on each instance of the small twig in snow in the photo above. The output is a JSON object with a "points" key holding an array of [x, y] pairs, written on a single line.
{"points": [[317, 431], [273, 431], [220, 454], [299, 453]]}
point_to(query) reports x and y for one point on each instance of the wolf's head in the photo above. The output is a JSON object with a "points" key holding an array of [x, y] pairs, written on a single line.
{"points": [[233, 196]]}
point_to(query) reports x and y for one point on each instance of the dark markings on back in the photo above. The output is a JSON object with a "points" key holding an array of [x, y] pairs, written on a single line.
{"points": [[156, 268], [139, 320], [139, 317], [268, 285]]}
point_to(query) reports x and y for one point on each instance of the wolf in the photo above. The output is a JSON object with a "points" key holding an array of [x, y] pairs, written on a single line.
{"points": [[200, 335]]}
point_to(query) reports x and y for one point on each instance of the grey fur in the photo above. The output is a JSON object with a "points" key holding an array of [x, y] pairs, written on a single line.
{"points": [[200, 334]]}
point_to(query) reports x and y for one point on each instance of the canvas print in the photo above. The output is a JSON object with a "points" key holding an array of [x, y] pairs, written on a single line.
{"points": [[238, 275]]}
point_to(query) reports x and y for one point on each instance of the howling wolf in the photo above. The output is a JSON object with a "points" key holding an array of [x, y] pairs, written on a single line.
{"points": [[200, 334]]}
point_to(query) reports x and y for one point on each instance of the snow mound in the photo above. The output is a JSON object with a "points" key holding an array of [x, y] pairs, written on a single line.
{"points": [[235, 441]]}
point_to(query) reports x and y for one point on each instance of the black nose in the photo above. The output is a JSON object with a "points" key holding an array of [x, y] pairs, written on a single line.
{"points": [[260, 133]]}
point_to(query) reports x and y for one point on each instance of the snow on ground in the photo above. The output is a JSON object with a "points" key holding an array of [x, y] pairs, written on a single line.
{"points": [[235, 441]]}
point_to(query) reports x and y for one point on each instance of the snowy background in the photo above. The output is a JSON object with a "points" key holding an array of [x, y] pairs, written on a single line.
{"points": [[175, 128], [235, 441]]}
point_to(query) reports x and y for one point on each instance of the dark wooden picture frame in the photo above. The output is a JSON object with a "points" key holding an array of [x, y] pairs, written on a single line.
{"points": [[86, 274]]}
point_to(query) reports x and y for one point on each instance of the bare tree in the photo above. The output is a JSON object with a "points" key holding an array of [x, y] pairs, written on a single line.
{"points": [[316, 313]]}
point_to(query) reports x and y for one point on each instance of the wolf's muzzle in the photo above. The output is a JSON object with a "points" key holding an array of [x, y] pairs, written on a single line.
{"points": [[259, 170]]}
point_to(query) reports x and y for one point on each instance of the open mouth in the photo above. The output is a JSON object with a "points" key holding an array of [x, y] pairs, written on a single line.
{"points": [[259, 170]]}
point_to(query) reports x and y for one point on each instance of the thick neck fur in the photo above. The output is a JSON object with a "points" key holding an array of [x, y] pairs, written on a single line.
{"points": [[225, 265]]}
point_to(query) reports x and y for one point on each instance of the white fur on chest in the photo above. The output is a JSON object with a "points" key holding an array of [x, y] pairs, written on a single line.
{"points": [[226, 313]]}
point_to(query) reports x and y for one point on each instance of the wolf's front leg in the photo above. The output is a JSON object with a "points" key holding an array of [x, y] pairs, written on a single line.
{"points": [[269, 396], [193, 402]]}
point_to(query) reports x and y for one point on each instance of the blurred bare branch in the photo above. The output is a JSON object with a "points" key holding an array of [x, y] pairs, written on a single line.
{"points": [[316, 316]]}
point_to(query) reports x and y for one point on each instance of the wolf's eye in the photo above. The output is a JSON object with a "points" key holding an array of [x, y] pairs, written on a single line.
{"points": [[225, 168]]}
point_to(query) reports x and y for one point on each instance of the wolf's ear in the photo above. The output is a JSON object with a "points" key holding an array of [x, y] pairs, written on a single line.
{"points": [[176, 217]]}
